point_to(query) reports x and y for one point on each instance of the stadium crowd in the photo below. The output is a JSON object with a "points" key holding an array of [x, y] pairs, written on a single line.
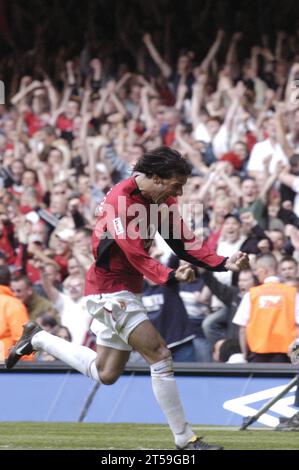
{"points": [[82, 104]]}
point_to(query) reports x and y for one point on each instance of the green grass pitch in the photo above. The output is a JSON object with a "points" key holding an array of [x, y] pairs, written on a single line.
{"points": [[50, 436]]}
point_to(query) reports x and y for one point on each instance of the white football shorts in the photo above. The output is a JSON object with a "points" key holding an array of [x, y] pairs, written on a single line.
{"points": [[115, 316]]}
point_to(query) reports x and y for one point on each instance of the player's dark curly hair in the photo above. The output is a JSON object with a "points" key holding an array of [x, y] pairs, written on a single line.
{"points": [[164, 162]]}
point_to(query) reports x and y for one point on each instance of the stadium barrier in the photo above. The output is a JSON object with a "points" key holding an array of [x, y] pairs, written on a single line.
{"points": [[213, 394]]}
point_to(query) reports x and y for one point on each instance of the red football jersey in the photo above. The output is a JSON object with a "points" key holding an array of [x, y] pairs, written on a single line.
{"points": [[121, 241]]}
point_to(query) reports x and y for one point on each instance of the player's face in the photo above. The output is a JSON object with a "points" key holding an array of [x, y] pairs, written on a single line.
{"points": [[165, 188]]}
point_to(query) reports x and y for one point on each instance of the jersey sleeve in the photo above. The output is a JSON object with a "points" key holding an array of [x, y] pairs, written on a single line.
{"points": [[186, 245]]}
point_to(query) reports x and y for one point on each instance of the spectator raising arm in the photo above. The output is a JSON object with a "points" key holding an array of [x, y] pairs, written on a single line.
{"points": [[197, 99], [24, 91], [280, 129], [96, 67], [280, 39], [181, 93], [193, 155], [145, 108], [155, 55], [204, 66], [66, 96], [52, 94], [231, 60]]}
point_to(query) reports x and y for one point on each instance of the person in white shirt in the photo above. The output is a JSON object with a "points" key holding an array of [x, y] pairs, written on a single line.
{"points": [[214, 133], [262, 150], [230, 241], [71, 305]]}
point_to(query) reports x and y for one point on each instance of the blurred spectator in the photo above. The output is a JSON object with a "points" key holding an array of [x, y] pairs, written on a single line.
{"points": [[218, 86], [82, 248], [167, 312], [3, 261], [228, 350], [287, 268], [6, 241], [57, 330], [53, 272], [230, 241], [62, 332], [268, 316], [13, 315], [257, 241], [34, 303], [219, 325], [70, 304], [74, 268], [162, 303], [46, 321], [196, 299]]}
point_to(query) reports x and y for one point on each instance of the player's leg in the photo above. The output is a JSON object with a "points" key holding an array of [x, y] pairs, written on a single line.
{"points": [[35, 338], [148, 342], [105, 365], [79, 357], [110, 363]]}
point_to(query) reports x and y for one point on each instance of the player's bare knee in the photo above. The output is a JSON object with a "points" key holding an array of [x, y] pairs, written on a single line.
{"points": [[162, 367], [108, 377], [162, 353]]}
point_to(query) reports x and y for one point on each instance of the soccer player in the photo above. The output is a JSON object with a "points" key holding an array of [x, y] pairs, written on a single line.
{"points": [[121, 241]]}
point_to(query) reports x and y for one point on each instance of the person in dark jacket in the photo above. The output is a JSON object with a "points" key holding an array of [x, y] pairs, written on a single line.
{"points": [[219, 325], [167, 313], [257, 241]]}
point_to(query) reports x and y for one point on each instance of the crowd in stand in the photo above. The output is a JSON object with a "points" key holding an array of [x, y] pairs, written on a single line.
{"points": [[75, 122]]}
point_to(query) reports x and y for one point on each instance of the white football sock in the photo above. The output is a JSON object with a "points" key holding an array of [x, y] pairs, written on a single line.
{"points": [[166, 393], [80, 358]]}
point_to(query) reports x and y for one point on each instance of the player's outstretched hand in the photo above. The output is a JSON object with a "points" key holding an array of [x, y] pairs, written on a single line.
{"points": [[185, 273], [237, 262]]}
